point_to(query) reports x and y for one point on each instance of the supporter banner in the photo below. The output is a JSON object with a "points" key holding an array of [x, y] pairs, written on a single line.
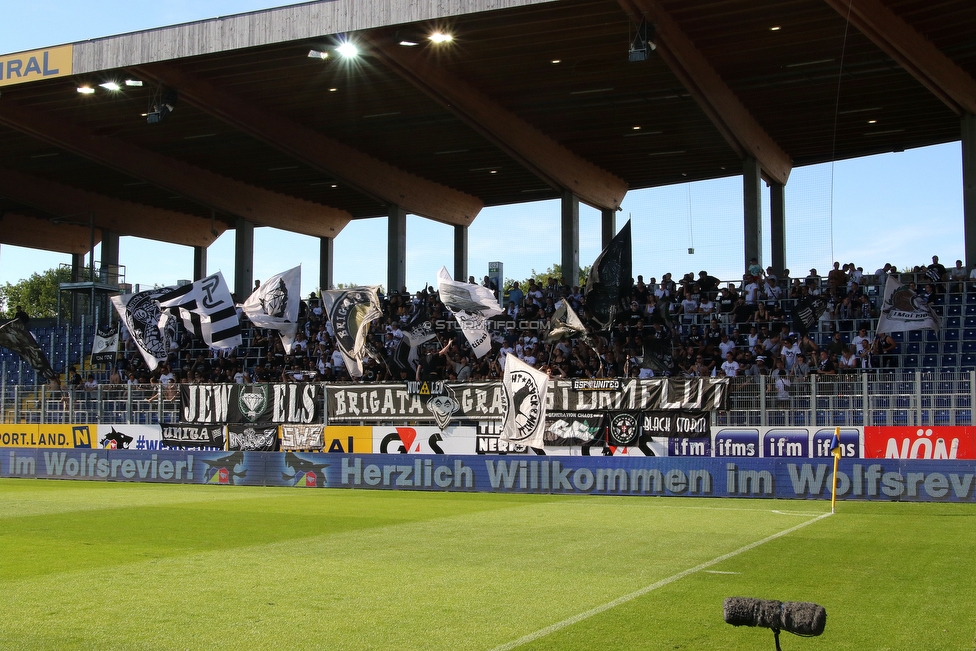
{"points": [[694, 424], [623, 429], [394, 403], [902, 310], [293, 402], [351, 439], [934, 442], [151, 330], [20, 435], [192, 436], [105, 345], [302, 437], [275, 305], [15, 336], [471, 305], [488, 441], [573, 427], [485, 400], [252, 437], [207, 310], [878, 480]]}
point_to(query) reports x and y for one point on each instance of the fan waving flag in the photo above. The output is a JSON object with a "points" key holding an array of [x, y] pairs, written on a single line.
{"points": [[525, 399], [610, 279], [207, 310], [151, 330], [565, 323], [275, 305], [15, 336], [903, 310], [472, 306], [351, 311]]}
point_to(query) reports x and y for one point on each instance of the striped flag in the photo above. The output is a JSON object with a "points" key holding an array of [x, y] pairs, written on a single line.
{"points": [[207, 310]]}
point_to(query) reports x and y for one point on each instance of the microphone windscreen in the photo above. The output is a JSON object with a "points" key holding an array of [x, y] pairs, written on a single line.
{"points": [[804, 618], [740, 611]]}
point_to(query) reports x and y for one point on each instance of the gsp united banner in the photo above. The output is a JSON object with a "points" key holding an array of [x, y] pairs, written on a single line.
{"points": [[294, 402]]}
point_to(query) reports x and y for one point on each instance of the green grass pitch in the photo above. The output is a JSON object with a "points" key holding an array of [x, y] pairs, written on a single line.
{"points": [[86, 565]]}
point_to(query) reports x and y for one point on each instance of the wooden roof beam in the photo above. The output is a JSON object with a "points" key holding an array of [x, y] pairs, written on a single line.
{"points": [[122, 217], [537, 152], [373, 177], [43, 234], [258, 205], [729, 115], [912, 51]]}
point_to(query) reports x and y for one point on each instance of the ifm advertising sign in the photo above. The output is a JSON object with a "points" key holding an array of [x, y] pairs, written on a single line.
{"points": [[22, 67]]}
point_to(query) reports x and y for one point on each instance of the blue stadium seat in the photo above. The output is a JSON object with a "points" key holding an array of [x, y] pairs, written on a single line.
{"points": [[931, 347], [969, 359], [914, 335], [910, 361], [950, 361], [930, 361], [953, 321], [954, 299], [969, 335], [912, 347], [950, 347], [898, 336], [970, 309], [951, 334], [969, 322]]}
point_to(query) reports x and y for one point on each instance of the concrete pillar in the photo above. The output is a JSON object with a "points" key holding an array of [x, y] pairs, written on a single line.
{"points": [[608, 226], [243, 259], [569, 260], [461, 252], [969, 186], [110, 249], [396, 263], [200, 264], [752, 210], [777, 226], [326, 262]]}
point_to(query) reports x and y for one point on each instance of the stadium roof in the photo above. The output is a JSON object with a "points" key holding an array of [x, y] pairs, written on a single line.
{"points": [[531, 99]]}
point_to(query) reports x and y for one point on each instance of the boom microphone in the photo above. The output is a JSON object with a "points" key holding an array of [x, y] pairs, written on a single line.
{"points": [[797, 617]]}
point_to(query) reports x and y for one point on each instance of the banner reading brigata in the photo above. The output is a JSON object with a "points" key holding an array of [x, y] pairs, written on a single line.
{"points": [[250, 403], [485, 400]]}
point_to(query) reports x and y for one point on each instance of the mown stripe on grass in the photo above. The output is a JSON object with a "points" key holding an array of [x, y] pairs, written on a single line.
{"points": [[575, 619]]}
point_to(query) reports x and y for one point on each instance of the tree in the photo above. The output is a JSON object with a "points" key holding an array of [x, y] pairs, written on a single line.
{"points": [[554, 271], [38, 295]]}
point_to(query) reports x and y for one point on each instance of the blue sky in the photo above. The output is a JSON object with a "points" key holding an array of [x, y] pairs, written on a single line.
{"points": [[900, 208]]}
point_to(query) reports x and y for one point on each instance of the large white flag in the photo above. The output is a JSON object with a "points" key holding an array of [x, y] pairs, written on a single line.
{"points": [[207, 310], [525, 402], [472, 305], [275, 305], [151, 330], [903, 310], [351, 311]]}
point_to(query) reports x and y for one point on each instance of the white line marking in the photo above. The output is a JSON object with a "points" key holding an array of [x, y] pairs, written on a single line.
{"points": [[720, 572], [552, 628]]}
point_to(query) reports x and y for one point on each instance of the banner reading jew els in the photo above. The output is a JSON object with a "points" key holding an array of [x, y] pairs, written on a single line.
{"points": [[293, 402]]}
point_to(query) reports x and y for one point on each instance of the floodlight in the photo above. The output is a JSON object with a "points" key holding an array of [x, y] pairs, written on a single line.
{"points": [[348, 49], [111, 85], [86, 90], [317, 54], [440, 37], [134, 82]]}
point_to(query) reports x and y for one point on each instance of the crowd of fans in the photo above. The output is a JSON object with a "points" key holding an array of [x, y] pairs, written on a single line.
{"points": [[710, 328]]}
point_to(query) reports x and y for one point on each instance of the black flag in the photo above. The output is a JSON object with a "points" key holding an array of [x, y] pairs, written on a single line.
{"points": [[807, 312], [610, 279], [15, 336]]}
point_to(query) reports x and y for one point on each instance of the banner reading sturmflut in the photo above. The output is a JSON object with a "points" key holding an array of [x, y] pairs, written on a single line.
{"points": [[902, 310]]}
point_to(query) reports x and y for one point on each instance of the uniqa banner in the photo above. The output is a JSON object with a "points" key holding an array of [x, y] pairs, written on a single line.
{"points": [[293, 402]]}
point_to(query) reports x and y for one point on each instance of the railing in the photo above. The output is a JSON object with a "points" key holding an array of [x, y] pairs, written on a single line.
{"points": [[908, 398]]}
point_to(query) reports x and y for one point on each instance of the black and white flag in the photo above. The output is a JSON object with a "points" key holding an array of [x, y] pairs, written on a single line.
{"points": [[207, 310], [807, 312], [903, 310], [472, 306], [525, 401], [275, 305], [151, 330], [106, 344], [351, 311], [15, 336], [610, 279], [564, 322], [417, 330]]}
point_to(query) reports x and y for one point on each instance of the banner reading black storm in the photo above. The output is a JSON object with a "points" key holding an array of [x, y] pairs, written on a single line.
{"points": [[295, 402], [485, 400]]}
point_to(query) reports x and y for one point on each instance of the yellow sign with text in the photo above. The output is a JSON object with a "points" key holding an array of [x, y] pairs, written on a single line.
{"points": [[22, 67], [16, 435], [348, 439]]}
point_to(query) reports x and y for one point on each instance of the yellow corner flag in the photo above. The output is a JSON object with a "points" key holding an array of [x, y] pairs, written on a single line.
{"points": [[835, 450]]}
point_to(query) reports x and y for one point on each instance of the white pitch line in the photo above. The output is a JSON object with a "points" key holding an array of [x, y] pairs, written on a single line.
{"points": [[552, 628]]}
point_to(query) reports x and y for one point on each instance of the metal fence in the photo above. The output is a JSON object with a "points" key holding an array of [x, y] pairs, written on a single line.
{"points": [[909, 398]]}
